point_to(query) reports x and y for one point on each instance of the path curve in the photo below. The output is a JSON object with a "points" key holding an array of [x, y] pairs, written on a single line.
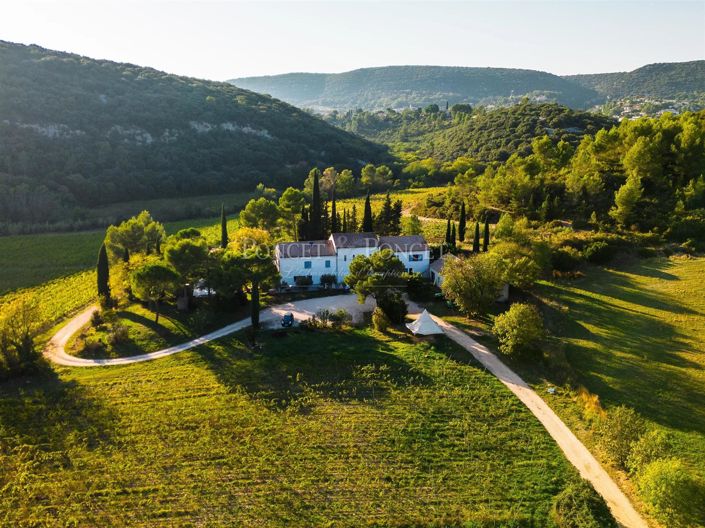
{"points": [[574, 450], [56, 348]]}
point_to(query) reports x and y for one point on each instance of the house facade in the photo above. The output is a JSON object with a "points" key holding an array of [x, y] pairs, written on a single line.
{"points": [[307, 261]]}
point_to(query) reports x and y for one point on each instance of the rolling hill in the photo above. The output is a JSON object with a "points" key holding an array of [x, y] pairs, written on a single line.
{"points": [[656, 80], [76, 133], [404, 86], [483, 134]]}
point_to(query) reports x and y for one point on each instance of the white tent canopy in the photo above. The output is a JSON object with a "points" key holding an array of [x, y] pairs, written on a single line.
{"points": [[424, 325]]}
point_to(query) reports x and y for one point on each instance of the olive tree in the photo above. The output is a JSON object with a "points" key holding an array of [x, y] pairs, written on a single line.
{"points": [[473, 283], [381, 275]]}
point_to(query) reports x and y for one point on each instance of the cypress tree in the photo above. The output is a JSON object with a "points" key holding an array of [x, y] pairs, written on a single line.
{"points": [[126, 255], [325, 222], [344, 227], [103, 274], [486, 240], [395, 223], [476, 240], [352, 220], [367, 226], [461, 224], [384, 219], [334, 218], [315, 213], [304, 227], [452, 236], [448, 233], [223, 228]]}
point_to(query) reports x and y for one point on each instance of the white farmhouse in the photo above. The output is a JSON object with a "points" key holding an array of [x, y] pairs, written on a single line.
{"points": [[299, 262]]}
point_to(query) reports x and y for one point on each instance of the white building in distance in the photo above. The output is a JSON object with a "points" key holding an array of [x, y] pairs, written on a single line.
{"points": [[301, 262]]}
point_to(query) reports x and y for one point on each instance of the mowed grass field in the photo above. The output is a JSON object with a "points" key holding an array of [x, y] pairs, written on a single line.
{"points": [[315, 429], [634, 336]]}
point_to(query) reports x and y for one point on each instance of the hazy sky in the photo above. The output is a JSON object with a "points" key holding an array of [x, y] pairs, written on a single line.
{"points": [[221, 40]]}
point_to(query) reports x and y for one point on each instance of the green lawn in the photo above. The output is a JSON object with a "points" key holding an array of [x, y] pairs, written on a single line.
{"points": [[315, 429], [634, 336], [143, 334]]}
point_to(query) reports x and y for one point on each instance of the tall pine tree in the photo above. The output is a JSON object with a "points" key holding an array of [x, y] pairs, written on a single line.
{"points": [[486, 240], [476, 240], [461, 223], [316, 212], [223, 228], [367, 226], [103, 274]]}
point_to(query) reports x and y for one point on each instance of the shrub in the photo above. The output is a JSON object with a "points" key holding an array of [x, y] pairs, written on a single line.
{"points": [[618, 431], [599, 252], [672, 494], [519, 330], [565, 258], [393, 305], [328, 280], [323, 315], [339, 318], [689, 226], [97, 318], [118, 334], [302, 280], [654, 445], [592, 408], [580, 506], [200, 319], [380, 320]]}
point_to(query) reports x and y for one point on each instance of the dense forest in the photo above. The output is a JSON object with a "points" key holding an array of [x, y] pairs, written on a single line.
{"points": [[485, 135], [666, 80], [404, 86], [644, 175], [77, 132]]}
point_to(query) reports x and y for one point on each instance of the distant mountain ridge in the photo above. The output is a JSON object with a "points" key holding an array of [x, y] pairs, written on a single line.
{"points": [[77, 132], [656, 80], [404, 86], [418, 86]]}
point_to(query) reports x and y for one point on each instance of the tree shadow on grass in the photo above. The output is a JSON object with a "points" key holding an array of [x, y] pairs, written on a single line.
{"points": [[345, 366], [655, 268], [629, 355], [46, 411]]}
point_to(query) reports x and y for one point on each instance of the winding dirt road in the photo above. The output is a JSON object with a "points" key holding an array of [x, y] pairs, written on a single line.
{"points": [[574, 450]]}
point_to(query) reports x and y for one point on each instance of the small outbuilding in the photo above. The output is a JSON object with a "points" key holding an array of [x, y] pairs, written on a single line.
{"points": [[424, 325]]}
